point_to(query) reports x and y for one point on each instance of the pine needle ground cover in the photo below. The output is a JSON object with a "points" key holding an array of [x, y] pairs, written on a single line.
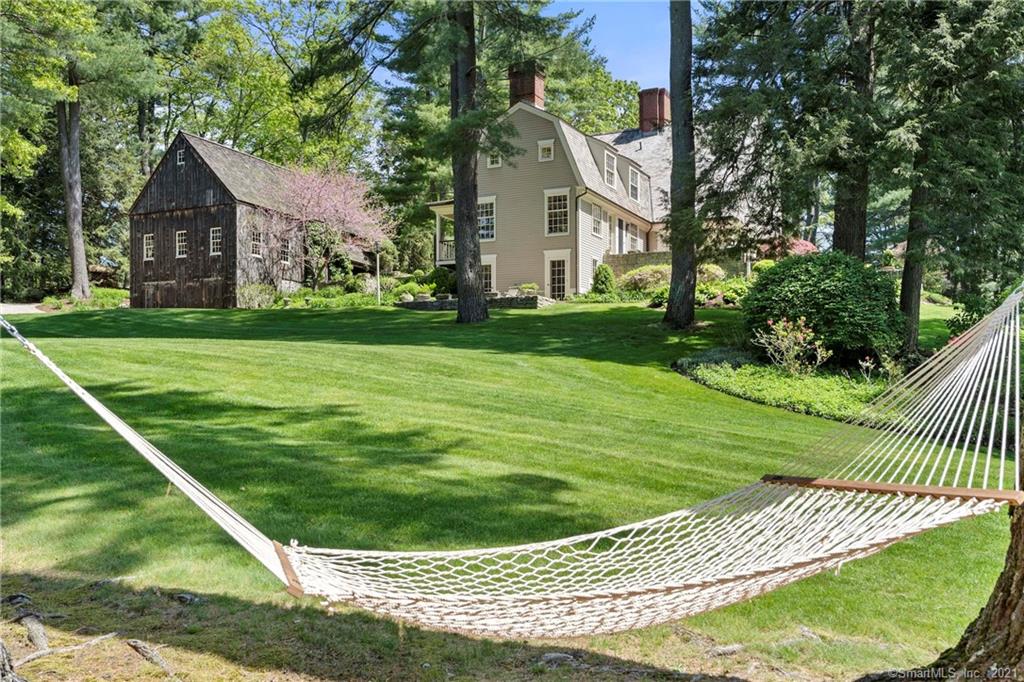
{"points": [[394, 429]]}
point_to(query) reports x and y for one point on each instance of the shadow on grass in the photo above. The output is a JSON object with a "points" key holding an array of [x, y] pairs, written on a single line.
{"points": [[629, 334], [356, 484], [291, 637]]}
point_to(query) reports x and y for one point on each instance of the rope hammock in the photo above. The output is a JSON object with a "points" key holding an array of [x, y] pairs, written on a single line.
{"points": [[941, 444]]}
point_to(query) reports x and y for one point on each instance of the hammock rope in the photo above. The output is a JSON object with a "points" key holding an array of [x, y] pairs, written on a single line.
{"points": [[892, 473]]}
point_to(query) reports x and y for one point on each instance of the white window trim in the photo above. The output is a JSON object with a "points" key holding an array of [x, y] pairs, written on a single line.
{"points": [[493, 200], [177, 233], [545, 143], [634, 174], [492, 260], [558, 254], [568, 224], [151, 238], [606, 218], [179, 158], [252, 240], [286, 251], [491, 163], [614, 168], [220, 238]]}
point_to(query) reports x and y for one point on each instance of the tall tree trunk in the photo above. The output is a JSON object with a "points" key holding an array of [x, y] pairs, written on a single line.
{"points": [[683, 228], [853, 177], [69, 131], [996, 637], [913, 263], [469, 275], [146, 130]]}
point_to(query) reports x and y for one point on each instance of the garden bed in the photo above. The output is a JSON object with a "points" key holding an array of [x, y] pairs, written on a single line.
{"points": [[524, 302], [831, 395]]}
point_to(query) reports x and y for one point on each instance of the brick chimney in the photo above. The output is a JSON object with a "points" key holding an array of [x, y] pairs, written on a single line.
{"points": [[654, 109], [526, 84]]}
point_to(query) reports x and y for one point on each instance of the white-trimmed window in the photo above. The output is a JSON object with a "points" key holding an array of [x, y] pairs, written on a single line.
{"points": [[634, 184], [216, 240], [556, 211], [609, 169], [494, 160], [148, 246], [545, 150], [256, 245], [635, 243], [286, 251], [486, 218], [180, 244], [599, 219], [489, 271], [180, 157]]}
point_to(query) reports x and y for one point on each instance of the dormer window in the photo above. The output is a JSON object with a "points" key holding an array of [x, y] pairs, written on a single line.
{"points": [[609, 169], [180, 157], [546, 150], [634, 184], [494, 160]]}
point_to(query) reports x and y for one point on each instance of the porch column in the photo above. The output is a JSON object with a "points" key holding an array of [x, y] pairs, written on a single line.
{"points": [[437, 237]]}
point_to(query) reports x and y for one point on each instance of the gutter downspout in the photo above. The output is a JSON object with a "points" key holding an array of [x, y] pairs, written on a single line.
{"points": [[579, 260]]}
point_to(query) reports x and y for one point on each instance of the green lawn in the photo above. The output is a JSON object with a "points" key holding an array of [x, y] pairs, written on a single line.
{"points": [[393, 429]]}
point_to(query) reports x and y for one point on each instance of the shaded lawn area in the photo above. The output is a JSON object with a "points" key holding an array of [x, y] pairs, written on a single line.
{"points": [[392, 429]]}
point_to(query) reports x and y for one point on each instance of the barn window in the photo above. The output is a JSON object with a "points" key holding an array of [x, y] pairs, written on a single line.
{"points": [[180, 244], [257, 243], [215, 241], [181, 157], [286, 251], [147, 247]]}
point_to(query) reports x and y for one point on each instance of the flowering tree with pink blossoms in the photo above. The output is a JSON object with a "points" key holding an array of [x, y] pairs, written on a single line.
{"points": [[330, 213]]}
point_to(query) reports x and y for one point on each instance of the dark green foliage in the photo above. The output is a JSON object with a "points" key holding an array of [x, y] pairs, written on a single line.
{"points": [[731, 290], [604, 280], [442, 279], [851, 307]]}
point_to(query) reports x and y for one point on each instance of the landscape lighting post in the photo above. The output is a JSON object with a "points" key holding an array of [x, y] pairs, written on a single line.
{"points": [[376, 251]]}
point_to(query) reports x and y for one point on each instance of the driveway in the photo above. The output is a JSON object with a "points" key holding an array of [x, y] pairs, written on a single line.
{"points": [[19, 308]]}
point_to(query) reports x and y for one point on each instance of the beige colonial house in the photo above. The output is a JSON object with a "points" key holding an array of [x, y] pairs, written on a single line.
{"points": [[567, 201]]}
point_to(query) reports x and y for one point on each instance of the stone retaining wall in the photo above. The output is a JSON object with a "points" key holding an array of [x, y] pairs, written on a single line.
{"points": [[621, 263], [527, 302]]}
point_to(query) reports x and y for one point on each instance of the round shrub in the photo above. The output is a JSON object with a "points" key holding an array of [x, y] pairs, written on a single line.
{"points": [[709, 272], [763, 265], [443, 279], [604, 280], [659, 299], [851, 307], [646, 279]]}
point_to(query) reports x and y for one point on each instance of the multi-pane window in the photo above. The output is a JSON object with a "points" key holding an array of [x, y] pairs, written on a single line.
{"points": [[488, 277], [148, 247], [286, 251], [546, 150], [180, 244], [609, 169], [494, 160], [557, 278], [635, 243], [599, 219], [256, 246], [180, 157], [215, 241], [557, 213], [634, 184], [485, 218]]}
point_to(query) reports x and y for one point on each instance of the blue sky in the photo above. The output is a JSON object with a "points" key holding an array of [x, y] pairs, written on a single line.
{"points": [[633, 36]]}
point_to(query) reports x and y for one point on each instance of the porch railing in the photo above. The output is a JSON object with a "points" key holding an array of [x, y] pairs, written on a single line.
{"points": [[445, 250]]}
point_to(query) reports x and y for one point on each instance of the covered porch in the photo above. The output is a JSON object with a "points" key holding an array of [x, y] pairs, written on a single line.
{"points": [[444, 231]]}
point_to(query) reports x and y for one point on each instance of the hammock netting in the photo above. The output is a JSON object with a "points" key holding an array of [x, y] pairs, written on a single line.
{"points": [[940, 445]]}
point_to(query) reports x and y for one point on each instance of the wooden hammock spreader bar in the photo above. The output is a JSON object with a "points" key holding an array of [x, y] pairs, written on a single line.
{"points": [[1011, 497], [294, 588]]}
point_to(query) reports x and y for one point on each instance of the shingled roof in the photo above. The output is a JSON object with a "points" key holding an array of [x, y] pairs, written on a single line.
{"points": [[248, 178]]}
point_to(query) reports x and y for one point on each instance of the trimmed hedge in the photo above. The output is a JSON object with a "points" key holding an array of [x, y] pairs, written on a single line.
{"points": [[851, 307]]}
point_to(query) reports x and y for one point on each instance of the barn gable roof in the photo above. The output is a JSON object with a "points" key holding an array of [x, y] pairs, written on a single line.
{"points": [[248, 178]]}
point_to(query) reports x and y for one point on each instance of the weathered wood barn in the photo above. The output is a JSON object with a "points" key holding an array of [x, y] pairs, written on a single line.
{"points": [[209, 220]]}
